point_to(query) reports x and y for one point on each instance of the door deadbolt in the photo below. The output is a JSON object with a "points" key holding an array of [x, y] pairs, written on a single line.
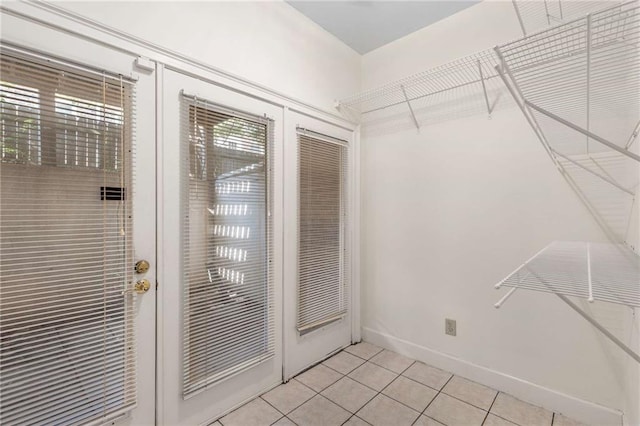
{"points": [[142, 286], [142, 266]]}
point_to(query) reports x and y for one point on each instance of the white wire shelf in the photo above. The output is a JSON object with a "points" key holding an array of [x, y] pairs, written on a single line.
{"points": [[593, 271], [474, 69]]}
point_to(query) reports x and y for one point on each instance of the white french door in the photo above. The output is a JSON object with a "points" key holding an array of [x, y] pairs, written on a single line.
{"points": [[220, 320], [76, 215], [318, 241]]}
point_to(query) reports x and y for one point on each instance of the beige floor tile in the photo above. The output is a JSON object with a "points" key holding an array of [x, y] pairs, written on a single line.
{"points": [[384, 411], [363, 350], [284, 422], [255, 413], [427, 421], [451, 411], [216, 424], [410, 393], [356, 421], [349, 394], [493, 420], [319, 377], [373, 376], [344, 362], [471, 392], [560, 420], [520, 412], [319, 411], [288, 396], [427, 375], [392, 361]]}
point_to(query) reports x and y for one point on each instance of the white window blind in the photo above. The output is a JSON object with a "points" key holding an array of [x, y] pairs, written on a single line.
{"points": [[323, 285], [228, 283], [66, 330]]}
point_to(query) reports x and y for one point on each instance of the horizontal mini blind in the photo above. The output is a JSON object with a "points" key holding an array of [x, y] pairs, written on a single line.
{"points": [[323, 285], [66, 330], [227, 236]]}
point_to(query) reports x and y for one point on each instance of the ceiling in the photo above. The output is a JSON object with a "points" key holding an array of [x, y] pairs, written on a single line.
{"points": [[367, 25]]}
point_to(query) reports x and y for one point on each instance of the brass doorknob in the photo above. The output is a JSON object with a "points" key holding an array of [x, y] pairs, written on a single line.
{"points": [[142, 286], [142, 266]]}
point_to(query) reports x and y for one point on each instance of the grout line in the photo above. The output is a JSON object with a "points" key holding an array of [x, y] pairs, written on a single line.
{"points": [[278, 420], [506, 420], [359, 418], [295, 408], [435, 397], [431, 387], [467, 402], [380, 391], [366, 359], [264, 400], [312, 390], [490, 407]]}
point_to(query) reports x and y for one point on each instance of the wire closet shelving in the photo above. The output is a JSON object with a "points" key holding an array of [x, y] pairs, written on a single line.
{"points": [[475, 69], [578, 86]]}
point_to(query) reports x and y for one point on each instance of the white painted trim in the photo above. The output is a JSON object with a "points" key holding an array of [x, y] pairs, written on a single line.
{"points": [[583, 411], [356, 332], [160, 387]]}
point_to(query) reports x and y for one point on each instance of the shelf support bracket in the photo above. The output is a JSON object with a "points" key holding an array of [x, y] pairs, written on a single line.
{"points": [[505, 297], [560, 7], [484, 88], [600, 328], [590, 319], [515, 6], [413, 116], [604, 178], [634, 135], [546, 11], [523, 107], [583, 131]]}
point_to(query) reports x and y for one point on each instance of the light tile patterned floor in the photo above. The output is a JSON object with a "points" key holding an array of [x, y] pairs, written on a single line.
{"points": [[367, 385]]}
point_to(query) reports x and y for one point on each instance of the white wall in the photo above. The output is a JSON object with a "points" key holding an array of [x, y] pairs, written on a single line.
{"points": [[451, 210], [269, 43]]}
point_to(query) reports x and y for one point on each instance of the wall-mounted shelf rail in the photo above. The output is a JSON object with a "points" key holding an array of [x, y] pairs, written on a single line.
{"points": [[593, 271], [474, 69]]}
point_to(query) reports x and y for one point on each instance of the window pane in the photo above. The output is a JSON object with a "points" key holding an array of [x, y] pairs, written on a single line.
{"points": [[322, 294], [228, 313]]}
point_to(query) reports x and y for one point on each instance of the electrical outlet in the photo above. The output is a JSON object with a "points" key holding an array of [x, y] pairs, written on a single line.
{"points": [[450, 326]]}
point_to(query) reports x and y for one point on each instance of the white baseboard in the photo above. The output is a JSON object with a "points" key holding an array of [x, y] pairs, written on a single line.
{"points": [[578, 409]]}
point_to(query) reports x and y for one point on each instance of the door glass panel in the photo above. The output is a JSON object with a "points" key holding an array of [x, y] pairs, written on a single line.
{"points": [[228, 289], [66, 329]]}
